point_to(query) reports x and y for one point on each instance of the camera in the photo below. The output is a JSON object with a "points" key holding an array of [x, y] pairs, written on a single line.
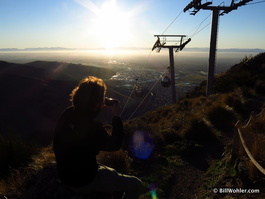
{"points": [[111, 101]]}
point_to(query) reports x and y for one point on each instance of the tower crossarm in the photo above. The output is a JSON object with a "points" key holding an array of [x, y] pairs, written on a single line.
{"points": [[175, 41], [197, 6]]}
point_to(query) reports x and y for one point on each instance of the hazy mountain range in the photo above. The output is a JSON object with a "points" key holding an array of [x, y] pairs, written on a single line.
{"points": [[203, 49]]}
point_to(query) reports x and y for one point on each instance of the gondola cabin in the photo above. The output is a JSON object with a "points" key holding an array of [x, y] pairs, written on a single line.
{"points": [[138, 91], [166, 82]]}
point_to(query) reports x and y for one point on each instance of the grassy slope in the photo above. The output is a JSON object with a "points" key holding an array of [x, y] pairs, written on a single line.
{"points": [[192, 135], [189, 138], [197, 130]]}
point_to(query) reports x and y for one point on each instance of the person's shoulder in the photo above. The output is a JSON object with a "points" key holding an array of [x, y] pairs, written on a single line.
{"points": [[69, 109], [67, 112]]}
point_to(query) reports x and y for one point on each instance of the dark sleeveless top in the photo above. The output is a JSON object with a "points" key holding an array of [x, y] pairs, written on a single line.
{"points": [[77, 141]]}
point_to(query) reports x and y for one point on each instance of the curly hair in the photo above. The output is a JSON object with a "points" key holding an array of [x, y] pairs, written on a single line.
{"points": [[88, 94]]}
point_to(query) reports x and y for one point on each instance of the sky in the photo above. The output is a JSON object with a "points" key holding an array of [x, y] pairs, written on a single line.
{"points": [[124, 23]]}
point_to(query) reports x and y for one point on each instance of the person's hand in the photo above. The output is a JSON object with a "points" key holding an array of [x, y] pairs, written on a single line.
{"points": [[116, 109]]}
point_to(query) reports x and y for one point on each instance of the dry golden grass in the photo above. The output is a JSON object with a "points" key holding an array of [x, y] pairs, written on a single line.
{"points": [[18, 178], [218, 112], [118, 160], [254, 136]]}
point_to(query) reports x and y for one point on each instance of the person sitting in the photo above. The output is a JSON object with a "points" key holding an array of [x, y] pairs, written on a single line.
{"points": [[79, 138]]}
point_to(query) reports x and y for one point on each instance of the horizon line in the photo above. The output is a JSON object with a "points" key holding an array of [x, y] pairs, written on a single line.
{"points": [[123, 48]]}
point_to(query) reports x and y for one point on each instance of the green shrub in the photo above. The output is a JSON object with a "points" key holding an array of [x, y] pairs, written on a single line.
{"points": [[222, 117], [200, 131], [170, 135], [260, 87], [235, 101]]}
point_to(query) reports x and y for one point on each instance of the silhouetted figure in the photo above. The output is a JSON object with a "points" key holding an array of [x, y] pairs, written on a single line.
{"points": [[79, 138]]}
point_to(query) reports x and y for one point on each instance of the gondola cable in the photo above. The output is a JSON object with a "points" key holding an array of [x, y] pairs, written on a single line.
{"points": [[256, 2], [201, 29], [173, 21], [127, 102], [199, 26]]}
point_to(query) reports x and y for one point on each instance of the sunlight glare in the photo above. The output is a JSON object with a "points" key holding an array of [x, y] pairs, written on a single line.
{"points": [[112, 25]]}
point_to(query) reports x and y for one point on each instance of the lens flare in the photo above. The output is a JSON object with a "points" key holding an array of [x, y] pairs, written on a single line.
{"points": [[141, 145], [153, 194], [152, 189]]}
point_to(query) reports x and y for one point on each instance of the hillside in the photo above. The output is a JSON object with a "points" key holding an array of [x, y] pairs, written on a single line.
{"points": [[248, 75], [34, 95], [195, 137], [186, 149]]}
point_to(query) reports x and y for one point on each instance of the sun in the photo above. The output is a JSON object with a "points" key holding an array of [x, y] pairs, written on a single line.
{"points": [[112, 25]]}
